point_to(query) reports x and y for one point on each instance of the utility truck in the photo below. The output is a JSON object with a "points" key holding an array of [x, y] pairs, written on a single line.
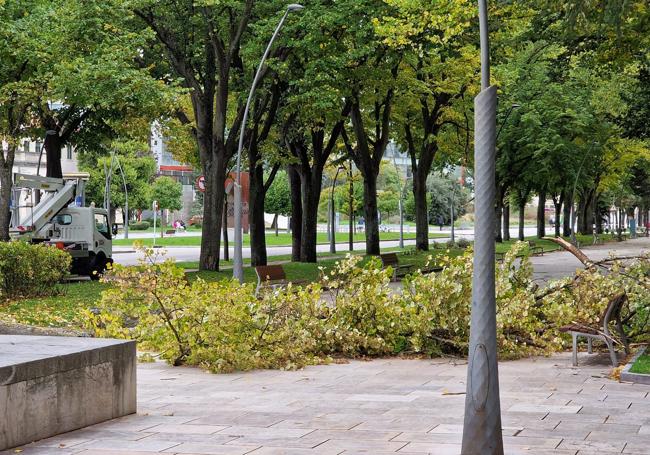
{"points": [[61, 220]]}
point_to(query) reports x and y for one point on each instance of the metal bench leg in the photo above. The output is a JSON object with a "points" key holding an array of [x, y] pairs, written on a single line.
{"points": [[575, 349], [612, 352], [589, 346]]}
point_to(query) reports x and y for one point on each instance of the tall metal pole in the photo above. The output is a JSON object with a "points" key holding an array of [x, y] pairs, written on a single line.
{"points": [[453, 198], [482, 426], [350, 209], [126, 201], [333, 214], [238, 265]]}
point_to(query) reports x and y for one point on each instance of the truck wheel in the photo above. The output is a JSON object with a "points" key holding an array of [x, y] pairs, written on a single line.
{"points": [[97, 267]]}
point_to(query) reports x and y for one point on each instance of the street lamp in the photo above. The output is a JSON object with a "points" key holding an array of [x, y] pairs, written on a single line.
{"points": [[350, 208], [482, 424], [238, 267], [333, 214]]}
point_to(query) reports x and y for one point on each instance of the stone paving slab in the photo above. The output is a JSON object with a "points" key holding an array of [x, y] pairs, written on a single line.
{"points": [[388, 406]]}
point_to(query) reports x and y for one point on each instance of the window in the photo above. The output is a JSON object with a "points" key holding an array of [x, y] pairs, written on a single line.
{"points": [[69, 152], [38, 147], [26, 147], [101, 224], [63, 220]]}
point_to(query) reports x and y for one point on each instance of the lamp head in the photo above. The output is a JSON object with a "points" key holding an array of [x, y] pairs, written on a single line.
{"points": [[516, 105], [294, 7]]}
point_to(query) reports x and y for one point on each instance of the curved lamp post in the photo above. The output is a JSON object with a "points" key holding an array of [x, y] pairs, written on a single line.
{"points": [[238, 267], [482, 425], [333, 213]]}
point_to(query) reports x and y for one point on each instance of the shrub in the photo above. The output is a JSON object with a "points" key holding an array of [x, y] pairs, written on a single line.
{"points": [[28, 270], [224, 327], [139, 226], [441, 304], [463, 243], [220, 325], [364, 316]]}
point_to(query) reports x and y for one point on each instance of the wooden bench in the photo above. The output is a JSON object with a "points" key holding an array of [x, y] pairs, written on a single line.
{"points": [[272, 277], [601, 330], [534, 249], [170, 232], [400, 271], [391, 260]]}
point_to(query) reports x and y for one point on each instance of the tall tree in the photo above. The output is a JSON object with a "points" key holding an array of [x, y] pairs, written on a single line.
{"points": [[17, 80], [435, 81], [202, 42]]}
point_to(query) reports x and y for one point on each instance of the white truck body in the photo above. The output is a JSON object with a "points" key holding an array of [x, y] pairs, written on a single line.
{"points": [[84, 232]]}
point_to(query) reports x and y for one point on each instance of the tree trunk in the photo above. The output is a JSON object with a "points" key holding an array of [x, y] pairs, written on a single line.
{"points": [[370, 212], [311, 189], [276, 222], [421, 210], [522, 218], [224, 228], [296, 212], [506, 220], [541, 215], [256, 215], [585, 214], [6, 184], [566, 225], [215, 176], [557, 204], [598, 222], [498, 208], [53, 146]]}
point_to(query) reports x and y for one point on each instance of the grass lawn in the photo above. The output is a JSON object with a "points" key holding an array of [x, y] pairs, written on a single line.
{"points": [[62, 310], [642, 365], [282, 239]]}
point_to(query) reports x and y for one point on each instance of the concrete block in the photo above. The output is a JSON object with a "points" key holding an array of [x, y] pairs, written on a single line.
{"points": [[52, 385]]}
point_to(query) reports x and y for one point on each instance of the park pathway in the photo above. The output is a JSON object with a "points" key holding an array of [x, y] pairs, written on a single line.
{"points": [[380, 407], [561, 264]]}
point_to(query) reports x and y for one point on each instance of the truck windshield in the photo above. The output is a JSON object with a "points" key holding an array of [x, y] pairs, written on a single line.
{"points": [[101, 224]]}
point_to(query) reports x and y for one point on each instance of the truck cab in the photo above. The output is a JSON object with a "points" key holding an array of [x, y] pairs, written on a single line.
{"points": [[60, 220], [85, 233]]}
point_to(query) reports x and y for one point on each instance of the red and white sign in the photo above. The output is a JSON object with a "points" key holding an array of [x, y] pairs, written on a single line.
{"points": [[200, 184]]}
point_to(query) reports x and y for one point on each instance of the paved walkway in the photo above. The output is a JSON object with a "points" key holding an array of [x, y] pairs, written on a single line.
{"points": [[562, 263], [378, 407]]}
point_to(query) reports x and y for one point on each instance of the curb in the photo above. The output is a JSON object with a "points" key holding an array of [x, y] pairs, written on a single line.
{"points": [[635, 377]]}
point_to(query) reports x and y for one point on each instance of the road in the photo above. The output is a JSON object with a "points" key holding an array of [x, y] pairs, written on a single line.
{"points": [[126, 255]]}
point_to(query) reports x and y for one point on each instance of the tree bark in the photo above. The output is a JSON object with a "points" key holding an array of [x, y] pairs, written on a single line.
{"points": [[506, 220], [215, 177], [498, 209], [224, 228], [311, 189], [6, 184], [370, 212], [522, 218], [421, 209], [557, 204], [296, 212], [566, 225], [256, 214], [53, 145], [541, 215]]}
